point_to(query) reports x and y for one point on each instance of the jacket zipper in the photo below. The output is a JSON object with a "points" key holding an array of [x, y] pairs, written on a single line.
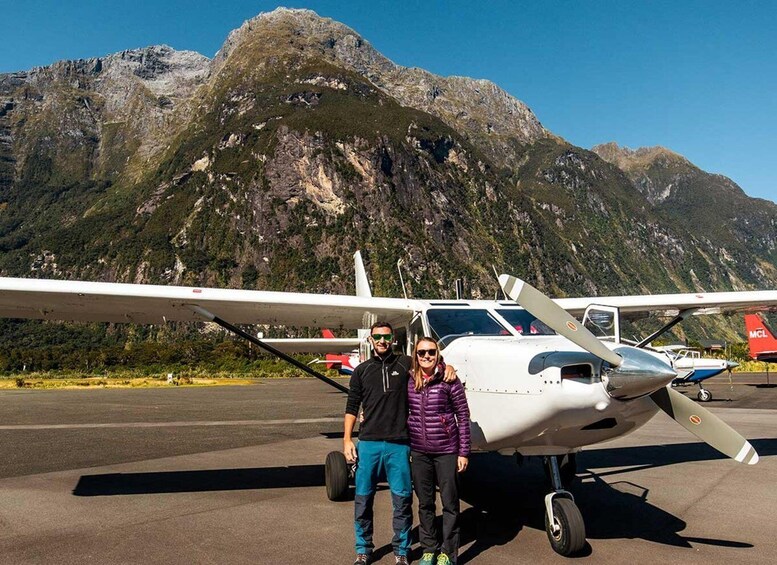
{"points": [[423, 416]]}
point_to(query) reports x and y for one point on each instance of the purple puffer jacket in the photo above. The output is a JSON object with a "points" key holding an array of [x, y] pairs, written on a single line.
{"points": [[438, 420]]}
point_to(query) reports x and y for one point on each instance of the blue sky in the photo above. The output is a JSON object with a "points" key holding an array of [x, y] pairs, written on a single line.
{"points": [[698, 77]]}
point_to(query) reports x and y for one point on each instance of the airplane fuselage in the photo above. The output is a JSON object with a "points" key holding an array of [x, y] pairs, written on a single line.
{"points": [[529, 390], [528, 395]]}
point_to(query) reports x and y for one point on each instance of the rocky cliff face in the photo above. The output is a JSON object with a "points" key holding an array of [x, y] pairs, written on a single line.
{"points": [[299, 143]]}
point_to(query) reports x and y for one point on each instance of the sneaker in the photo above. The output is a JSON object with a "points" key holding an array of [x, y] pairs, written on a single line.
{"points": [[401, 559], [362, 559], [443, 559], [427, 559]]}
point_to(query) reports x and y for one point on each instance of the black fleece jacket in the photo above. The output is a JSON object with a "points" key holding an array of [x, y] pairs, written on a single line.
{"points": [[379, 386]]}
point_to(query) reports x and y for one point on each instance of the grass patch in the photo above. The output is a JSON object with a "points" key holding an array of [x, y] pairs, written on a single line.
{"points": [[57, 380]]}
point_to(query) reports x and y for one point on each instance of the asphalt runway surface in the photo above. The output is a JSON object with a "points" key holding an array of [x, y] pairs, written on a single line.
{"points": [[235, 475]]}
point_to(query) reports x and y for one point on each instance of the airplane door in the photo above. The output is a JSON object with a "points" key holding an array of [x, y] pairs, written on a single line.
{"points": [[603, 322], [415, 331]]}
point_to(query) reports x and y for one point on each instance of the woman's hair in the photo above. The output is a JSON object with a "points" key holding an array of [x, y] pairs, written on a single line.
{"points": [[416, 370]]}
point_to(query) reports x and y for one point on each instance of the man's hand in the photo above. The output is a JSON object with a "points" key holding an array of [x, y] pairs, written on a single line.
{"points": [[462, 463], [349, 450], [450, 374]]}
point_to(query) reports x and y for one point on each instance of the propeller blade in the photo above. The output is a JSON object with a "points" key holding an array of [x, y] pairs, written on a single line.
{"points": [[705, 425], [543, 308]]}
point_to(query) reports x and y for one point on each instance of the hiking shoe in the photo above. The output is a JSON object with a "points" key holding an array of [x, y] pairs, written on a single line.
{"points": [[401, 559], [362, 559], [443, 559], [427, 559]]}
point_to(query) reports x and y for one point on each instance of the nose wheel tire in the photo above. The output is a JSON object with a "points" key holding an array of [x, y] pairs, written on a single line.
{"points": [[336, 475], [567, 532], [704, 395]]}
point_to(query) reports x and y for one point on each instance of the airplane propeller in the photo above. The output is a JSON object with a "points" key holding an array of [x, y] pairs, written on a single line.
{"points": [[705, 425], [543, 308], [634, 373]]}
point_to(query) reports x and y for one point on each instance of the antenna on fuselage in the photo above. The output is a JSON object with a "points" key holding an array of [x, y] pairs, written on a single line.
{"points": [[500, 294], [401, 280]]}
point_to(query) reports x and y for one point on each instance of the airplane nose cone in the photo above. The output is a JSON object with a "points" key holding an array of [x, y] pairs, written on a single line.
{"points": [[731, 364], [640, 373]]}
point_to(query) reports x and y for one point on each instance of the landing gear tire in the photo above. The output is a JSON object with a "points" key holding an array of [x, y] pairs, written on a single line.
{"points": [[567, 537], [704, 395], [336, 475]]}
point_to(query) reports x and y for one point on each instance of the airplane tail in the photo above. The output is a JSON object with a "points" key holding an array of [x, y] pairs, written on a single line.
{"points": [[362, 284], [362, 287], [759, 337]]}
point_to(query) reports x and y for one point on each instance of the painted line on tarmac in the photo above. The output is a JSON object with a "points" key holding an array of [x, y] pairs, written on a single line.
{"points": [[172, 424]]}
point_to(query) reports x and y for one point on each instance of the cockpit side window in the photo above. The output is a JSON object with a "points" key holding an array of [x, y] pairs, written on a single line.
{"points": [[525, 323]]}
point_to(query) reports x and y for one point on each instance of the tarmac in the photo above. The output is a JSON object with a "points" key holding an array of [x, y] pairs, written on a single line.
{"points": [[235, 475]]}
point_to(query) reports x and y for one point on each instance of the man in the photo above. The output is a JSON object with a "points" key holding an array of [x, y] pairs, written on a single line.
{"points": [[379, 387]]}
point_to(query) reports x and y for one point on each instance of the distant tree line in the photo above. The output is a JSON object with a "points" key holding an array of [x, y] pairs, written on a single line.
{"points": [[99, 348]]}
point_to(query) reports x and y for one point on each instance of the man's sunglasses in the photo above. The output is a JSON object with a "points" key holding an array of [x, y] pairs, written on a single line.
{"points": [[384, 337], [425, 352]]}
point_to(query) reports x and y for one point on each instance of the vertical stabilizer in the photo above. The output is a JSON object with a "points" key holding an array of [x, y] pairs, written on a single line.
{"points": [[362, 287], [362, 284], [763, 344]]}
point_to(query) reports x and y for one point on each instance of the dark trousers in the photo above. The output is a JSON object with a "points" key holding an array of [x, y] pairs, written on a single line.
{"points": [[430, 471]]}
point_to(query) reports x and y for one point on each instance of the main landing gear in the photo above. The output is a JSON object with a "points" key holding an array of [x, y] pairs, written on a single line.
{"points": [[563, 521], [337, 474]]}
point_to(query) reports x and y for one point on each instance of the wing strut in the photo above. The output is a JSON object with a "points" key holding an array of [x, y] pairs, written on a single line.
{"points": [[245, 335], [676, 320]]}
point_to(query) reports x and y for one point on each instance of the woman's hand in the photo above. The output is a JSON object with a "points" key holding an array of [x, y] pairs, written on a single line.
{"points": [[462, 464]]}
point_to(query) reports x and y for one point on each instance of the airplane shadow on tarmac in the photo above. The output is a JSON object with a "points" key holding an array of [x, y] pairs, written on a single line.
{"points": [[504, 498], [112, 484]]}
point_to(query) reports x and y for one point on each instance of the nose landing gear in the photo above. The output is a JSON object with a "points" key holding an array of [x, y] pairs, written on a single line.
{"points": [[563, 521]]}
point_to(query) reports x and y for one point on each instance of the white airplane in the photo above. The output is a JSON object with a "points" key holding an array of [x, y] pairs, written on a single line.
{"points": [[538, 381], [693, 369]]}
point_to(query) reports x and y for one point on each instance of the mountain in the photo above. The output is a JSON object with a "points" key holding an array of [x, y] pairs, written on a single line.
{"points": [[267, 166], [741, 228]]}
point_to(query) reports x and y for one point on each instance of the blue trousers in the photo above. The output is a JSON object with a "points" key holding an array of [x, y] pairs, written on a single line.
{"points": [[374, 459]]}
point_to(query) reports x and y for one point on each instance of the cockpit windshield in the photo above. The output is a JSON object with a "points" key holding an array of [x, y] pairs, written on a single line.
{"points": [[525, 323], [450, 324]]}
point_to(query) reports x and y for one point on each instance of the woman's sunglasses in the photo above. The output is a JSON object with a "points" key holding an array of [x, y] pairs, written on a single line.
{"points": [[425, 352]]}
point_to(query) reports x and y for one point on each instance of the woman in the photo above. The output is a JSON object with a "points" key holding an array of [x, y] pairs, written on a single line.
{"points": [[438, 423]]}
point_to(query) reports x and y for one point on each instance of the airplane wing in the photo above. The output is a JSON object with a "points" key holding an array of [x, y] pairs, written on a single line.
{"points": [[671, 304], [314, 345], [44, 299]]}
